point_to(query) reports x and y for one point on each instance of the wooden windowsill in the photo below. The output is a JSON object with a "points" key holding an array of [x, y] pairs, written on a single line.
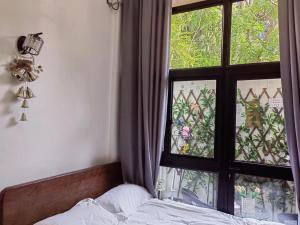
{"points": [[176, 3]]}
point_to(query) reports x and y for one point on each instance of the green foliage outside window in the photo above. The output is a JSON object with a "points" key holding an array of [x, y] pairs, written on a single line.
{"points": [[254, 32], [196, 37]]}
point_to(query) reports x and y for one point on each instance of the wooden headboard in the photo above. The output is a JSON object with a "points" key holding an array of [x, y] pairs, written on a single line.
{"points": [[29, 203]]}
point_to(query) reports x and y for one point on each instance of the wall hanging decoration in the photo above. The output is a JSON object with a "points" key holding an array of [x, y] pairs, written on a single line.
{"points": [[24, 69]]}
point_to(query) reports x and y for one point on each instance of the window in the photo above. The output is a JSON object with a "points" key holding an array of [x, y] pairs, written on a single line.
{"points": [[195, 36], [263, 198], [260, 133], [255, 33], [225, 144], [193, 113], [193, 187]]}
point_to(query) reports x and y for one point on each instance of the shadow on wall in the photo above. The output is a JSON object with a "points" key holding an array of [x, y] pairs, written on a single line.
{"points": [[8, 99]]}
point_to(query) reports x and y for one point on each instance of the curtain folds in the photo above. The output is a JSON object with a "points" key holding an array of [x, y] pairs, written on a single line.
{"points": [[289, 17], [145, 28]]}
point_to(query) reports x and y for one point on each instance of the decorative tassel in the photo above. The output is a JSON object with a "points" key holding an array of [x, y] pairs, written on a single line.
{"points": [[25, 104], [23, 117]]}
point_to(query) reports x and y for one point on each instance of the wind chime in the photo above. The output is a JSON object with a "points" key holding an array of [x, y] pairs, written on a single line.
{"points": [[23, 67]]}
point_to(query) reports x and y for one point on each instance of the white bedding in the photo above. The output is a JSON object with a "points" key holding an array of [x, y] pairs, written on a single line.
{"points": [[86, 212], [167, 212], [153, 212]]}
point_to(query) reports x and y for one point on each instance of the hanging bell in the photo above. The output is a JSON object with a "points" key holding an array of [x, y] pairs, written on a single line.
{"points": [[29, 93], [31, 76], [24, 104], [21, 92], [23, 117], [19, 73]]}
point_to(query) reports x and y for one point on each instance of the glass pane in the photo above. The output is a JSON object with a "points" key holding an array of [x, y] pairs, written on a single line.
{"points": [[196, 38], [260, 131], [265, 199], [191, 187], [255, 34], [193, 116]]}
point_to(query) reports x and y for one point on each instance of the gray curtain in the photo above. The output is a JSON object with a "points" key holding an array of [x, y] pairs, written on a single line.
{"points": [[289, 16], [145, 28]]}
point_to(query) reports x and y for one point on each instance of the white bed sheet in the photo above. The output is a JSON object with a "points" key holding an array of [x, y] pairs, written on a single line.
{"points": [[85, 212], [167, 212]]}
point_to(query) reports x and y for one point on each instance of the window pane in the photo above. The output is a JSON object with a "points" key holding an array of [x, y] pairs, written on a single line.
{"points": [[196, 38], [255, 34], [260, 131], [264, 198], [193, 116], [191, 187]]}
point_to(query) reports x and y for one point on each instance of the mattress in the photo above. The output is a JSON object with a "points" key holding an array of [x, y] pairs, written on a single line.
{"points": [[167, 212]]}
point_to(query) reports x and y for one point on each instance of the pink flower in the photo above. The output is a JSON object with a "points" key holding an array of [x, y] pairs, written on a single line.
{"points": [[186, 132]]}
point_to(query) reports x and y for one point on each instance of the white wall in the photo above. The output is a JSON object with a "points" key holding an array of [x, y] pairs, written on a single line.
{"points": [[72, 121]]}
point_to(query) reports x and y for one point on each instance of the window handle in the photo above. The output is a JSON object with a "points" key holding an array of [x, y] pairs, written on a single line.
{"points": [[232, 170]]}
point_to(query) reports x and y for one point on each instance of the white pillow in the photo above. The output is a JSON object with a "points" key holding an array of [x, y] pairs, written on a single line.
{"points": [[86, 212], [124, 199]]}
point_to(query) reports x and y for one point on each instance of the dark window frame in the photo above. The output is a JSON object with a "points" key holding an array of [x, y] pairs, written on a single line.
{"points": [[226, 77]]}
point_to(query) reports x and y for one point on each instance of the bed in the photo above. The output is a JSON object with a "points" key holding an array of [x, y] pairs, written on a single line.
{"points": [[74, 200], [123, 207], [29, 203], [167, 212]]}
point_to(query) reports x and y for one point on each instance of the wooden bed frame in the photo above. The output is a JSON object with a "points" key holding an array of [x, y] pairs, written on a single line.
{"points": [[29, 203]]}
